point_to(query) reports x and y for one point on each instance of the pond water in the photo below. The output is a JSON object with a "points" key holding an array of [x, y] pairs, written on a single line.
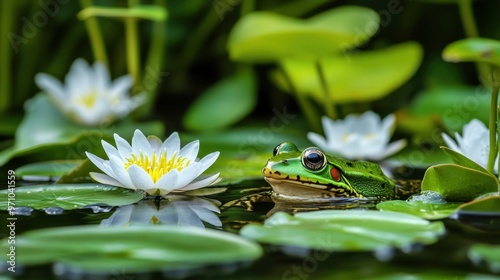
{"points": [[446, 259]]}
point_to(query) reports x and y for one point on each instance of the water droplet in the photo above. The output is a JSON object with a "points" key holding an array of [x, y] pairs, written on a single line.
{"points": [[428, 197], [53, 210], [384, 254], [98, 208], [22, 211]]}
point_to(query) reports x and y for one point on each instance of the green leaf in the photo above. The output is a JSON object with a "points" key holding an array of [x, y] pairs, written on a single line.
{"points": [[131, 249], [44, 130], [363, 77], [486, 252], [354, 230], [151, 12], [473, 50], [488, 203], [443, 101], [458, 183], [223, 104], [426, 210], [268, 37], [79, 174], [50, 169], [464, 161], [68, 196]]}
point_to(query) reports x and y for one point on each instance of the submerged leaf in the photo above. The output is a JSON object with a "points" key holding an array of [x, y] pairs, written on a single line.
{"points": [[458, 183], [338, 230], [133, 249], [268, 37], [68, 196]]}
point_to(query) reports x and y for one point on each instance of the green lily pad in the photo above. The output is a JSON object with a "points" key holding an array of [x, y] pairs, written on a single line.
{"points": [[49, 169], [488, 253], [269, 37], [473, 50], [458, 183], [426, 210], [464, 161], [44, 130], [338, 230], [68, 196], [134, 249], [488, 203], [363, 77], [223, 104]]}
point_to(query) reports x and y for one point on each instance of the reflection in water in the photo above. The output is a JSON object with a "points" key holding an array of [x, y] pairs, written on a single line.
{"points": [[181, 210]]}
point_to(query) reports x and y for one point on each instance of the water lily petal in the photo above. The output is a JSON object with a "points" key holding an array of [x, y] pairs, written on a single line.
{"points": [[107, 180], [207, 216], [110, 149], [141, 144], [167, 182], [120, 173], [319, 141], [120, 86], [172, 144], [100, 163], [52, 87], [394, 147], [123, 147], [188, 218], [120, 217], [155, 143], [190, 151], [208, 160], [200, 182], [101, 77], [188, 174], [449, 142], [140, 178]]}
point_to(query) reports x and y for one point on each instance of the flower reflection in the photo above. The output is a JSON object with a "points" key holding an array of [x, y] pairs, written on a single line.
{"points": [[181, 210]]}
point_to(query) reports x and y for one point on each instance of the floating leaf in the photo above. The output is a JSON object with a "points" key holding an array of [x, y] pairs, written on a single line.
{"points": [[363, 77], [268, 37], [464, 161], [49, 169], [79, 174], [488, 253], [68, 196], [473, 50], [429, 211], [224, 104], [353, 230], [458, 183], [133, 249], [488, 203]]}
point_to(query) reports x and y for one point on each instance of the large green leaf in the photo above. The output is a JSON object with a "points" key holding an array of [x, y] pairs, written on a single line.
{"points": [[426, 210], [363, 77], [353, 230], [458, 183], [488, 203], [68, 196], [46, 169], [223, 104], [464, 161], [131, 249], [473, 50], [45, 129], [268, 37]]}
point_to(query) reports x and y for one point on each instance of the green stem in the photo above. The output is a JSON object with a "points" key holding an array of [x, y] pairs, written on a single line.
{"points": [[154, 61], [7, 9], [132, 45], [493, 118], [498, 139], [329, 106], [470, 29], [305, 105], [95, 35]]}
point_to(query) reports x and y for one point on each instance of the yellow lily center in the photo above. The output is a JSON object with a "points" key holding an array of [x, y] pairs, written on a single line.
{"points": [[158, 164], [89, 99]]}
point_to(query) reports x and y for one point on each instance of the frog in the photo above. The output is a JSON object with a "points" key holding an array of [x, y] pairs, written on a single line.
{"points": [[313, 175]]}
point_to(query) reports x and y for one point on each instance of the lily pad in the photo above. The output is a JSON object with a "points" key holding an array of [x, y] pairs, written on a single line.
{"points": [[224, 104], [426, 210], [353, 230], [269, 37], [486, 204], [488, 253], [458, 183], [48, 169], [68, 196], [473, 50], [134, 249], [363, 77]]}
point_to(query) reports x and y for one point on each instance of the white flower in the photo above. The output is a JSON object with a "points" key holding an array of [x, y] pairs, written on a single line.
{"points": [[363, 137], [180, 210], [474, 143], [88, 95], [155, 167]]}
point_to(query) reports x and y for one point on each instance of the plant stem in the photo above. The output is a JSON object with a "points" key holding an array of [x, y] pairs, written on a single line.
{"points": [[493, 118], [328, 104], [95, 35], [307, 108], [132, 45], [6, 11], [498, 139], [470, 29]]}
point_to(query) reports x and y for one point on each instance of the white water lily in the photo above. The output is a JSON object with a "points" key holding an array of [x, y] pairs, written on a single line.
{"points": [[89, 96], [155, 167], [180, 210], [474, 143], [363, 137]]}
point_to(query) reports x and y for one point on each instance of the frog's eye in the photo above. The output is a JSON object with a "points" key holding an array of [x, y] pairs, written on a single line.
{"points": [[313, 159], [285, 147]]}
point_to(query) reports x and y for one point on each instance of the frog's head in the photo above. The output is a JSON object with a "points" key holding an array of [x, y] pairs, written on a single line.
{"points": [[313, 174]]}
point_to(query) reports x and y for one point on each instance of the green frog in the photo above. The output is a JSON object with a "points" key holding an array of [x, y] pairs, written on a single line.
{"points": [[312, 175]]}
